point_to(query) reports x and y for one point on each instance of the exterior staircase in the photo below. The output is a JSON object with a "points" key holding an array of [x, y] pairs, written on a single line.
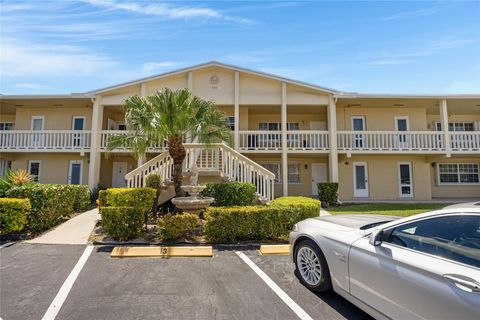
{"points": [[216, 159]]}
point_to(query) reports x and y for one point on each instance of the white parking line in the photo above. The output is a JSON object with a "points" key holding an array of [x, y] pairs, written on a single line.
{"points": [[62, 294], [278, 291]]}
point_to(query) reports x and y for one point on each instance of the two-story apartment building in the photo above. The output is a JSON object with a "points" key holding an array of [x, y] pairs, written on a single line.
{"points": [[378, 147]]}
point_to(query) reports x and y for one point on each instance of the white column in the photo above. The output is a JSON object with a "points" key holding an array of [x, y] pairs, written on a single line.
{"points": [[236, 134], [284, 140], [143, 89], [332, 134], [444, 121], [95, 155]]}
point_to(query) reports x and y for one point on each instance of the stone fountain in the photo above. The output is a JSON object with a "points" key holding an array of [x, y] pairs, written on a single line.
{"points": [[193, 203]]}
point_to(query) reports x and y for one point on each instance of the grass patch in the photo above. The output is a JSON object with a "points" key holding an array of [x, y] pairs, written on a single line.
{"points": [[391, 209]]}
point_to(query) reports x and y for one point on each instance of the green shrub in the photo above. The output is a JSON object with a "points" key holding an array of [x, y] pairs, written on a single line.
{"points": [[5, 186], [328, 193], [13, 214], [230, 193], [102, 197], [273, 221], [81, 197], [122, 223], [94, 193], [140, 198], [177, 226], [50, 203]]}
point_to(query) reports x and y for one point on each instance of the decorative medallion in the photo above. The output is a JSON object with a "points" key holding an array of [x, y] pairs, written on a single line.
{"points": [[214, 80]]}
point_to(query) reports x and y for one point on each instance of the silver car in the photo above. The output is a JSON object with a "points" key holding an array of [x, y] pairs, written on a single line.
{"points": [[425, 266]]}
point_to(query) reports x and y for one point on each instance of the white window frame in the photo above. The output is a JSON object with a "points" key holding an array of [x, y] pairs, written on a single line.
{"points": [[39, 167], [119, 123], [458, 174], [453, 123], [69, 178], [36, 118], [4, 123], [402, 118], [279, 125], [299, 172], [400, 185], [363, 118], [78, 117]]}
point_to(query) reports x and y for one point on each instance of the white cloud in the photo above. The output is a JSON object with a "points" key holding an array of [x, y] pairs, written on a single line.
{"points": [[30, 59], [152, 67], [165, 10], [28, 85], [409, 14]]}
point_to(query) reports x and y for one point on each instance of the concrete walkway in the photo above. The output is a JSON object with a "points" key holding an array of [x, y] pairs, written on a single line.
{"points": [[324, 212], [74, 231]]}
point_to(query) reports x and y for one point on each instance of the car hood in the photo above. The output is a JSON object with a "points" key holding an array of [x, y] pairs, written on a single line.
{"points": [[357, 221]]}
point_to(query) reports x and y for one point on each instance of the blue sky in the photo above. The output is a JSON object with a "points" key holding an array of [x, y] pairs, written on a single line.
{"points": [[362, 46]]}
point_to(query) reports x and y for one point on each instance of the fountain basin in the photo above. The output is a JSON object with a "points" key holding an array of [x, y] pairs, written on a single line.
{"points": [[193, 190], [192, 204]]}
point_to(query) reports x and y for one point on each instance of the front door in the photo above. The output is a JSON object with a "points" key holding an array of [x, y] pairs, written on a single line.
{"points": [[405, 182], [360, 180], [401, 124], [118, 174], [37, 125], [75, 172], [78, 123], [358, 124], [319, 174]]}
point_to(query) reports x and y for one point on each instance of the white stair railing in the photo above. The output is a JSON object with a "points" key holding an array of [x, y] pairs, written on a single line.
{"points": [[216, 157]]}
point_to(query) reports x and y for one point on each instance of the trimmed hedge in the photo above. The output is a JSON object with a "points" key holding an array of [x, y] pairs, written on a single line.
{"points": [[177, 226], [50, 203], [129, 209], [13, 214], [122, 223], [140, 198], [81, 197], [230, 193], [328, 193], [273, 221]]}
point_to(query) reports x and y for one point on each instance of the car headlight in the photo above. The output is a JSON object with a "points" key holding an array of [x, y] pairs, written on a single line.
{"points": [[295, 227]]}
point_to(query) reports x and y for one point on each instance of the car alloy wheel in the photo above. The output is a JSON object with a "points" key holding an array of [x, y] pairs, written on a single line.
{"points": [[308, 265]]}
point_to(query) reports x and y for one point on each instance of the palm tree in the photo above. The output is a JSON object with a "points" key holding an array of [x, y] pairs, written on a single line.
{"points": [[170, 116]]}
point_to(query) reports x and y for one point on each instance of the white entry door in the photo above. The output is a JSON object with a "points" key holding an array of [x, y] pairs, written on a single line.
{"points": [[118, 174], [75, 172], [319, 174], [360, 180], [358, 124]]}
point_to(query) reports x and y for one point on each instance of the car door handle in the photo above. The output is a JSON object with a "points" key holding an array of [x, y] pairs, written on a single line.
{"points": [[467, 283]]}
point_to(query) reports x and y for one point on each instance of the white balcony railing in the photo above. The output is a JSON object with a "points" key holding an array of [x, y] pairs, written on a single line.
{"points": [[390, 141], [465, 141], [272, 140], [46, 140], [260, 140], [107, 134], [307, 140]]}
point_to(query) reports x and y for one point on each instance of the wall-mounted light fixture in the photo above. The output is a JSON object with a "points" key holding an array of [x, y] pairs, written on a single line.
{"points": [[346, 162], [306, 166]]}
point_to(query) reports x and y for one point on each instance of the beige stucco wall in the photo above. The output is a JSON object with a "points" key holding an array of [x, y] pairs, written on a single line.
{"points": [[7, 118], [382, 118], [55, 118], [383, 176], [53, 167], [452, 191]]}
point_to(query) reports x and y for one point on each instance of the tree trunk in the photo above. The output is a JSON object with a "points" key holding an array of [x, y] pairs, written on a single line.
{"points": [[178, 153]]}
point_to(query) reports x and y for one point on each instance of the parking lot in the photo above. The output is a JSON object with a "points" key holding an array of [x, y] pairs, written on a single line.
{"points": [[222, 287]]}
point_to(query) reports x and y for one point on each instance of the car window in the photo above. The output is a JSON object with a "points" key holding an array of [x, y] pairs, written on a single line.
{"points": [[455, 237]]}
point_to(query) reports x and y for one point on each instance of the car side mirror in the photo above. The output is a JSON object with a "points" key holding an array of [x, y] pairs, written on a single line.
{"points": [[376, 238]]}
